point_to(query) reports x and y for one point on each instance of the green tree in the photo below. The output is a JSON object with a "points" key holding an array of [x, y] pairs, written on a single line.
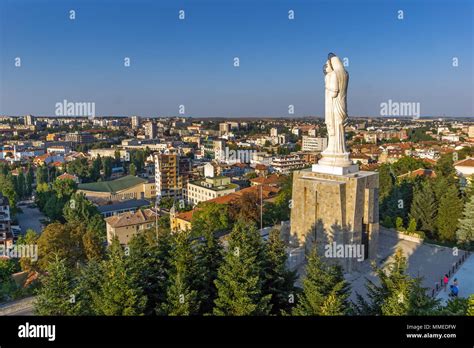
{"points": [[325, 292], [449, 213], [86, 289], [210, 217], [209, 255], [465, 232], [119, 293], [279, 280], [29, 238], [182, 296], [470, 309], [56, 295], [423, 208], [107, 165], [396, 293], [133, 169], [63, 241], [411, 226], [240, 280], [150, 261], [445, 167]]}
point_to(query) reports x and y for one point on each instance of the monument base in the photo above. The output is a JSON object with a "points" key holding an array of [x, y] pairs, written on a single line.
{"points": [[332, 211], [327, 169]]}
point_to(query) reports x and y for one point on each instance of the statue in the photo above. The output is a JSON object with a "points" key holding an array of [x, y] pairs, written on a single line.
{"points": [[336, 81]]}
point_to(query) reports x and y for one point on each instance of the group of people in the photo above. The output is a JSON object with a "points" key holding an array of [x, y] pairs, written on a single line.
{"points": [[454, 288]]}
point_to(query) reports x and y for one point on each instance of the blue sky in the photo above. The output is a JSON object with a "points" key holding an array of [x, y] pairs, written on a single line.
{"points": [[190, 61]]}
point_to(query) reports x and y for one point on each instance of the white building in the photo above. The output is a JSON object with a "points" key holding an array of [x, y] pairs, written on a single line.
{"points": [[209, 188], [273, 132], [314, 144], [285, 164]]}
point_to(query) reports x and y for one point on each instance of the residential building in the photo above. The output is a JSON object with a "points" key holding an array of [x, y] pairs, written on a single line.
{"points": [[129, 224], [285, 164], [135, 122], [314, 144], [80, 137], [150, 130], [171, 175], [209, 188], [6, 236]]}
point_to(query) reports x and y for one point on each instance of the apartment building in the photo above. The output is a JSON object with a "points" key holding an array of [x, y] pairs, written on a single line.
{"points": [[209, 188]]}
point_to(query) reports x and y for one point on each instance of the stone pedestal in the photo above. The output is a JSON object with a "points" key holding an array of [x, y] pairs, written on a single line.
{"points": [[335, 210]]}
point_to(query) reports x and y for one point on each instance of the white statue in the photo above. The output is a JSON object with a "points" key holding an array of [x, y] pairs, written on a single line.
{"points": [[336, 81]]}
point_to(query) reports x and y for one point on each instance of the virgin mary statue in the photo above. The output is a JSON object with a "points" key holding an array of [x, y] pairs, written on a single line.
{"points": [[336, 81]]}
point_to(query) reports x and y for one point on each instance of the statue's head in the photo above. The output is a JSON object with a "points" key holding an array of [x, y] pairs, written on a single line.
{"points": [[327, 67]]}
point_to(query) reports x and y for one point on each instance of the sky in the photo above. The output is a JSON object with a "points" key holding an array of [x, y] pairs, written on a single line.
{"points": [[190, 62]]}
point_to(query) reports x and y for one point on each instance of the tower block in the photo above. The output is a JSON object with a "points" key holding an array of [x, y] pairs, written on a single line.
{"points": [[330, 210]]}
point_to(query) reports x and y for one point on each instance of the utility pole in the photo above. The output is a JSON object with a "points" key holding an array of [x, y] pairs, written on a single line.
{"points": [[261, 207]]}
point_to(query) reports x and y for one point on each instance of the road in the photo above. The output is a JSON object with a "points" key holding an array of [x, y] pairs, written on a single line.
{"points": [[30, 218], [18, 307]]}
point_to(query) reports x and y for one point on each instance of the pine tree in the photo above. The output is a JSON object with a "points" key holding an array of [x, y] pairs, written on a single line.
{"points": [[87, 287], [181, 296], [449, 212], [120, 293], [240, 278], [470, 308], [149, 261], [396, 293], [465, 232], [56, 294], [209, 255], [325, 292], [279, 280], [423, 208]]}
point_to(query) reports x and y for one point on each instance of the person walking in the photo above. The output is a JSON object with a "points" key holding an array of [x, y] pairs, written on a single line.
{"points": [[445, 282]]}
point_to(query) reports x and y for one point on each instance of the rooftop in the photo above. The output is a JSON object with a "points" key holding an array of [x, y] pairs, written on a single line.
{"points": [[112, 186], [130, 219]]}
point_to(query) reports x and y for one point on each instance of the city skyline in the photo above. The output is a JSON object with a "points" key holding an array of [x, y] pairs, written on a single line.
{"points": [[190, 61]]}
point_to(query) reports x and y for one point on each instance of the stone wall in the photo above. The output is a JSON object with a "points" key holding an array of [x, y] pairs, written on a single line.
{"points": [[331, 208]]}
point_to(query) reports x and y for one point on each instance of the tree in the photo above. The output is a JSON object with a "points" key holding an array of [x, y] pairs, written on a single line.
{"points": [[150, 261], [279, 282], [246, 207], [445, 167], [411, 226], [449, 213], [86, 289], [63, 241], [79, 209], [7, 284], [209, 256], [30, 238], [95, 170], [396, 293], [57, 291], [470, 309], [120, 293], [399, 224], [133, 169], [80, 168], [465, 232], [107, 164], [240, 280], [182, 296], [423, 208], [210, 217], [386, 181], [325, 292]]}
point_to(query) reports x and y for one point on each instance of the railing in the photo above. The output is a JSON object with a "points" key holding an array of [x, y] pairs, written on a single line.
{"points": [[452, 270]]}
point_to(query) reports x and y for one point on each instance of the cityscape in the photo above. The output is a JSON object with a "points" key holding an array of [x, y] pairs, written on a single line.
{"points": [[219, 174]]}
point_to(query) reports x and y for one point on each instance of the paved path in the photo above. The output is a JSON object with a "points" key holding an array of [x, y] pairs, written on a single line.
{"points": [[30, 218], [465, 277], [18, 307], [428, 261]]}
